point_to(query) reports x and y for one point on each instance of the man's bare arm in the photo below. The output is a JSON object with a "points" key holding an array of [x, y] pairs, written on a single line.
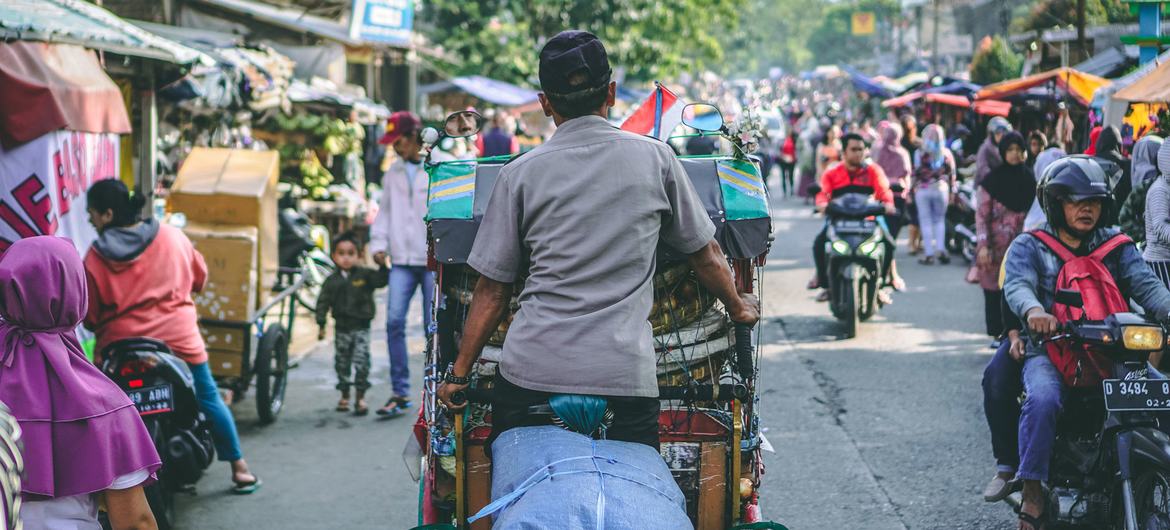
{"points": [[714, 273], [488, 306]]}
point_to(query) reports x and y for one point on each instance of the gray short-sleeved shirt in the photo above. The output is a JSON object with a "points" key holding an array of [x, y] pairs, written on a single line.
{"points": [[585, 213]]}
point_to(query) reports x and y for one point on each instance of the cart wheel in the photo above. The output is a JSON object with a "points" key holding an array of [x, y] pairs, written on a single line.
{"points": [[271, 369]]}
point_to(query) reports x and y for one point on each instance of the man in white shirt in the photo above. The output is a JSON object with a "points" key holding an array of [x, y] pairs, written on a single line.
{"points": [[399, 234]]}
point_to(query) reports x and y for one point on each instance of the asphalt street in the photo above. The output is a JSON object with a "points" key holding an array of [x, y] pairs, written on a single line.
{"points": [[884, 431]]}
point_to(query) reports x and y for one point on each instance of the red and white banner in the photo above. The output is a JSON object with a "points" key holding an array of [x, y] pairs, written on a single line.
{"points": [[43, 184], [658, 115]]}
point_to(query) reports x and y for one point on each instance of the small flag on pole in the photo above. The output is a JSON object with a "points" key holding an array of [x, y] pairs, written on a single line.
{"points": [[658, 115]]}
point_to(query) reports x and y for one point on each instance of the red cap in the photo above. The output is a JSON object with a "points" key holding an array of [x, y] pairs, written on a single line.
{"points": [[400, 123]]}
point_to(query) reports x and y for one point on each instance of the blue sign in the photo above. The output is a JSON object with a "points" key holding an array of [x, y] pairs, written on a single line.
{"points": [[388, 21]]}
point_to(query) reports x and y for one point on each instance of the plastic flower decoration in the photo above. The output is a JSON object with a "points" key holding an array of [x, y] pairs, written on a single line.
{"points": [[746, 132]]}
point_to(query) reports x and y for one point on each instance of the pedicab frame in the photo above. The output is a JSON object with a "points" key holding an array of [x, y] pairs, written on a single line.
{"points": [[711, 417]]}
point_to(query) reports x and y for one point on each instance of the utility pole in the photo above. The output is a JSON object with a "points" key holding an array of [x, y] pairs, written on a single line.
{"points": [[1084, 51], [934, 39]]}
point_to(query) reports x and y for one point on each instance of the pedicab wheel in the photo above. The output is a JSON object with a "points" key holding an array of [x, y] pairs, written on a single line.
{"points": [[271, 370]]}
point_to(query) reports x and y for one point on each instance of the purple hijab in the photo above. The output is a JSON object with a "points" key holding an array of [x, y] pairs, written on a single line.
{"points": [[80, 430], [890, 155]]}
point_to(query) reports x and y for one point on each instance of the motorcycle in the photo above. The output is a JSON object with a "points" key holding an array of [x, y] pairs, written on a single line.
{"points": [[303, 250], [1110, 461], [162, 388], [855, 250], [960, 221]]}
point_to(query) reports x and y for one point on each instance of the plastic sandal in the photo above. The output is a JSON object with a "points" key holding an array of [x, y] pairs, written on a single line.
{"points": [[1037, 523], [247, 488]]}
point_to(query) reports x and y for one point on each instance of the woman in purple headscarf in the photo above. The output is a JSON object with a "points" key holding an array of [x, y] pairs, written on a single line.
{"points": [[895, 162], [82, 437]]}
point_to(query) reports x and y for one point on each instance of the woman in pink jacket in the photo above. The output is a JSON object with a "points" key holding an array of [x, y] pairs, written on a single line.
{"points": [[140, 275]]}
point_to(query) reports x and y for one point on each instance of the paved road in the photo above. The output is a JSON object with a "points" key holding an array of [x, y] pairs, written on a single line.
{"points": [[884, 431]]}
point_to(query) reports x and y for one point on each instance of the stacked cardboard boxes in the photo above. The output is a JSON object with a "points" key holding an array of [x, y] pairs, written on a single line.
{"points": [[229, 199]]}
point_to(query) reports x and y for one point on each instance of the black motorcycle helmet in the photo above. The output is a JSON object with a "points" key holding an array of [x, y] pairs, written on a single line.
{"points": [[1073, 178]]}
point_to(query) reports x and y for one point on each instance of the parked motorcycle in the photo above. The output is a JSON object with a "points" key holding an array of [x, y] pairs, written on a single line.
{"points": [[855, 251], [304, 251], [163, 389], [1110, 462], [960, 221]]}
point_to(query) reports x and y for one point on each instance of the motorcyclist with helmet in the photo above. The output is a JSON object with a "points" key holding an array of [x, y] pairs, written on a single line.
{"points": [[1075, 196], [855, 174]]}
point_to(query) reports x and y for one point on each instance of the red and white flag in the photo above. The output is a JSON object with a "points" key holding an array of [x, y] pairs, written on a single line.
{"points": [[658, 115]]}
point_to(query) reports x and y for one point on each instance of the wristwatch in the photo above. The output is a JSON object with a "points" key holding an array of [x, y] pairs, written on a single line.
{"points": [[450, 377]]}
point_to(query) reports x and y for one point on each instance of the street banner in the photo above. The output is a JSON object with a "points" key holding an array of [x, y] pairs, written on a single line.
{"points": [[863, 23], [658, 115], [43, 184]]}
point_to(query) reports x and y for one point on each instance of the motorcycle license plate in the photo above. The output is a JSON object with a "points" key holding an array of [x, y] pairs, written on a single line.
{"points": [[153, 399], [1137, 394]]}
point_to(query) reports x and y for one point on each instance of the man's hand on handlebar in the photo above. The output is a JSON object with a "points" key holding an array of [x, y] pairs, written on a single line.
{"points": [[446, 390], [748, 310], [1017, 347], [1041, 323]]}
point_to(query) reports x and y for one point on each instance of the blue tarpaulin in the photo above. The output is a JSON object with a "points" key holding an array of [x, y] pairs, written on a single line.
{"points": [[490, 90], [866, 84]]}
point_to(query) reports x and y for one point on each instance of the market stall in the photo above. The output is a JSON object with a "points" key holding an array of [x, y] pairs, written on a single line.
{"points": [[1147, 99], [1037, 100]]}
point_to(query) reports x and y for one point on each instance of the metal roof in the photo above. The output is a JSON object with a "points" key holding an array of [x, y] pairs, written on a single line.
{"points": [[291, 19], [84, 24]]}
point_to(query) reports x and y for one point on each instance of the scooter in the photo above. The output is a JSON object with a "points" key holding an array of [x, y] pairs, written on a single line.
{"points": [[1110, 461], [162, 388], [960, 222], [855, 250], [303, 250]]}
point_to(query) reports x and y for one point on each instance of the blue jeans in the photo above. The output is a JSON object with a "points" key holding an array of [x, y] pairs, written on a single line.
{"points": [[931, 201], [404, 279], [223, 426], [1038, 417], [1002, 384]]}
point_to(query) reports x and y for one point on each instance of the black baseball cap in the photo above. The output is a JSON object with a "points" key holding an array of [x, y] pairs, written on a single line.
{"points": [[568, 53]]}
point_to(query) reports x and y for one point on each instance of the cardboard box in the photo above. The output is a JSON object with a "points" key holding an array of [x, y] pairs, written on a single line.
{"points": [[230, 339], [225, 364], [230, 253], [233, 187]]}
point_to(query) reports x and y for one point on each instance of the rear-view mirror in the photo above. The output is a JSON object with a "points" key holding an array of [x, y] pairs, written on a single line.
{"points": [[702, 116], [464, 123]]}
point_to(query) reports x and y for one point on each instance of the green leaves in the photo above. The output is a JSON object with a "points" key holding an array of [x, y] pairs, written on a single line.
{"points": [[995, 63], [648, 38]]}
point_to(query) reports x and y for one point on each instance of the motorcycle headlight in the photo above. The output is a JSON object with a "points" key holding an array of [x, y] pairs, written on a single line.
{"points": [[840, 247], [869, 247], [1142, 338]]}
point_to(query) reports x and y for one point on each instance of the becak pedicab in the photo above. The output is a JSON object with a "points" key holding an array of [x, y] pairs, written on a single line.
{"points": [[707, 375]]}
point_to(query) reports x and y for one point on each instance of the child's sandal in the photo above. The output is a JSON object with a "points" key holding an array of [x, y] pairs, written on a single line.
{"points": [[342, 405], [361, 409]]}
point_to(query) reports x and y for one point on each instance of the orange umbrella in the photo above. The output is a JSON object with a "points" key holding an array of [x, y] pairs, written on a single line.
{"points": [[1077, 84]]}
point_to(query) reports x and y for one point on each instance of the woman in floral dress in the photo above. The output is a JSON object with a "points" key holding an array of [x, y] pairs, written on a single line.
{"points": [[1004, 198]]}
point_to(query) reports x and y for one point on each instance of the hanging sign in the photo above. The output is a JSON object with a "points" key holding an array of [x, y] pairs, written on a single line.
{"points": [[43, 184]]}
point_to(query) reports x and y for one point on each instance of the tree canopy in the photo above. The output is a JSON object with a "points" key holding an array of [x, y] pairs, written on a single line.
{"points": [[995, 62], [648, 38]]}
